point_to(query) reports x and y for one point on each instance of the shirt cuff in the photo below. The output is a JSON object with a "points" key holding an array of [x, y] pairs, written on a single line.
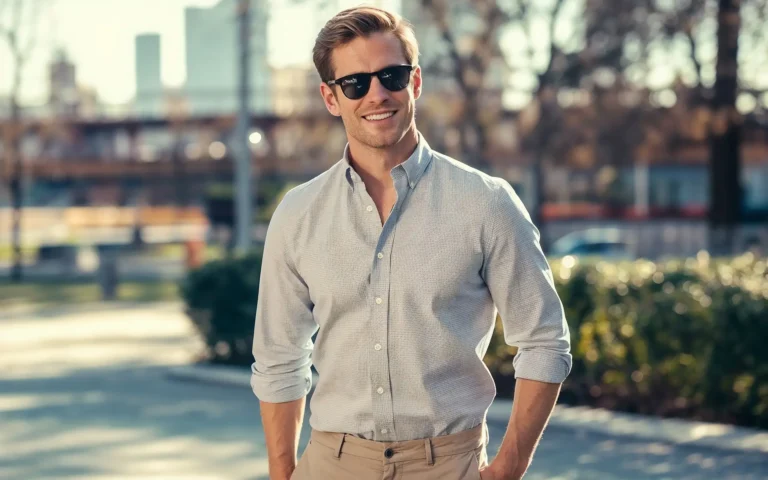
{"points": [[280, 388], [542, 365]]}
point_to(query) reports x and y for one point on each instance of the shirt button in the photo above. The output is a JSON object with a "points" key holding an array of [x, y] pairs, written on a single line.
{"points": [[378, 301], [380, 255], [384, 431], [413, 184], [380, 390], [377, 347], [369, 208]]}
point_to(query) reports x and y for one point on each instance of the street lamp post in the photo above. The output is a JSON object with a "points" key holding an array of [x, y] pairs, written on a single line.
{"points": [[243, 196]]}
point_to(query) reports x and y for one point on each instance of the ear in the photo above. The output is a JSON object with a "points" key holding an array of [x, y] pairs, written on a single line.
{"points": [[330, 99], [417, 83]]}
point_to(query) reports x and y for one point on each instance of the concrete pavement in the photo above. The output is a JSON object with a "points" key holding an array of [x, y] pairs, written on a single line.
{"points": [[87, 394]]}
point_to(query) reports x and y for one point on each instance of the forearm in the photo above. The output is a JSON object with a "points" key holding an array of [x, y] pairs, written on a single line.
{"points": [[282, 427], [531, 409]]}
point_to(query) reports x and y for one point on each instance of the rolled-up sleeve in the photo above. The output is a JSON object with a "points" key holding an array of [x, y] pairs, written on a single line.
{"points": [[522, 287], [282, 340]]}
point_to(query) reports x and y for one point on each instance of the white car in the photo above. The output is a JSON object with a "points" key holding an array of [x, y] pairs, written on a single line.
{"points": [[605, 243]]}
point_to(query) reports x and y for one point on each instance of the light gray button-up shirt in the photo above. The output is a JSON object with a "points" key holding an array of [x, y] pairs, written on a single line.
{"points": [[404, 311]]}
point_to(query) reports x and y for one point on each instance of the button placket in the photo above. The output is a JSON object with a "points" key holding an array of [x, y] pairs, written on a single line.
{"points": [[379, 363], [380, 280]]}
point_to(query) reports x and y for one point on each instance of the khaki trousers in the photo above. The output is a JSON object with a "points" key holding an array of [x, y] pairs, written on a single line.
{"points": [[340, 456]]}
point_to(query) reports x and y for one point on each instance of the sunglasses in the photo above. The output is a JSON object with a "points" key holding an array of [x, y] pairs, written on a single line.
{"points": [[356, 86]]}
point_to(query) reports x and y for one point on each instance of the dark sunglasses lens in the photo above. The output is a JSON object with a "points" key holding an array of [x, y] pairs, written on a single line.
{"points": [[355, 86], [395, 78]]}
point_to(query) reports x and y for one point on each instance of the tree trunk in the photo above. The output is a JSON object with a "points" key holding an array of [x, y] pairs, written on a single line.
{"points": [[725, 135], [181, 191], [539, 147], [473, 135], [537, 214], [15, 160]]}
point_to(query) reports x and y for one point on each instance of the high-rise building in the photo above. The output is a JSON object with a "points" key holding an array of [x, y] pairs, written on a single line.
{"points": [[149, 83], [212, 58], [63, 97]]}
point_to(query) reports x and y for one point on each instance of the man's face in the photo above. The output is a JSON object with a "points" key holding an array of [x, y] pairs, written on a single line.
{"points": [[365, 55]]}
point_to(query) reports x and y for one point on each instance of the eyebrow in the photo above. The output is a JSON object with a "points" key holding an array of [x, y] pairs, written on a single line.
{"points": [[370, 73]]}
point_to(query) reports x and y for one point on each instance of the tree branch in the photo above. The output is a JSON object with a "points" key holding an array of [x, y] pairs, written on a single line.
{"points": [[696, 63], [15, 16], [544, 77], [33, 25], [3, 5], [438, 10]]}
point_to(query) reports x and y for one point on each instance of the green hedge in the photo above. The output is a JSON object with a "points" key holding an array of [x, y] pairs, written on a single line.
{"points": [[681, 338], [220, 299]]}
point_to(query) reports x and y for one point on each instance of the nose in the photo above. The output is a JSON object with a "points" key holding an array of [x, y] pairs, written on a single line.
{"points": [[376, 93]]}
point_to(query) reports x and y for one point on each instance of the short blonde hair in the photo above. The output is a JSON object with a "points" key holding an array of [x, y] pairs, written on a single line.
{"points": [[356, 22]]}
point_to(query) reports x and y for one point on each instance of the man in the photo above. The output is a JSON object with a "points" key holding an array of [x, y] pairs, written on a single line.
{"points": [[398, 257]]}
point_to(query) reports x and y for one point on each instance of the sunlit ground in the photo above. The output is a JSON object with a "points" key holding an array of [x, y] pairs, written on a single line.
{"points": [[84, 394]]}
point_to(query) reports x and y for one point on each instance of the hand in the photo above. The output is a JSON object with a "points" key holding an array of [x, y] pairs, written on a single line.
{"points": [[496, 471]]}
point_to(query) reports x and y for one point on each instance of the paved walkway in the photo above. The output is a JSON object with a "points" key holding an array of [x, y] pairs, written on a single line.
{"points": [[87, 395]]}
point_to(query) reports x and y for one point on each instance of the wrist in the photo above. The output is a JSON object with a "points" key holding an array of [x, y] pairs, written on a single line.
{"points": [[281, 473], [505, 469]]}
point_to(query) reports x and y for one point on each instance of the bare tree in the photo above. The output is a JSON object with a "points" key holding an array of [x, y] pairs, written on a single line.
{"points": [[602, 53], [558, 46], [18, 25], [726, 42], [725, 134]]}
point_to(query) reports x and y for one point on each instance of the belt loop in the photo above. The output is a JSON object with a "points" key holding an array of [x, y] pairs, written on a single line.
{"points": [[341, 443], [428, 447]]}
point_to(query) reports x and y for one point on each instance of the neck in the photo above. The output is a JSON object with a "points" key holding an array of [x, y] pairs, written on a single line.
{"points": [[374, 164]]}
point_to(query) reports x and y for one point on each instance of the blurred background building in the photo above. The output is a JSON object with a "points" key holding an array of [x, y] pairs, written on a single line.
{"points": [[583, 146], [150, 94], [211, 58]]}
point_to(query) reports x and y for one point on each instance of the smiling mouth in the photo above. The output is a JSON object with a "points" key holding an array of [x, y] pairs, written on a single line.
{"points": [[379, 116]]}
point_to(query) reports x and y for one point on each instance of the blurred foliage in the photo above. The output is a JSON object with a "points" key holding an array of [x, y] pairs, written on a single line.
{"points": [[220, 200], [28, 253], [221, 301], [681, 338], [268, 210]]}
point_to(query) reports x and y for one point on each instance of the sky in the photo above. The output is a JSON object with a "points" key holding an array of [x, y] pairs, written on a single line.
{"points": [[98, 35]]}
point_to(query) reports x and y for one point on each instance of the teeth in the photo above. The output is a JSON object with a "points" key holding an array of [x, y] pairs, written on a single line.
{"points": [[380, 116]]}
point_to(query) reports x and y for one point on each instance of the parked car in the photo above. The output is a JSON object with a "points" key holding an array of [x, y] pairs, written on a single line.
{"points": [[594, 242]]}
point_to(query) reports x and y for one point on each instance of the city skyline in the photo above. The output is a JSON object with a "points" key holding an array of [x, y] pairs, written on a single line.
{"points": [[103, 49]]}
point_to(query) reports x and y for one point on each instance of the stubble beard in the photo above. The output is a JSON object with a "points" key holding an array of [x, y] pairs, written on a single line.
{"points": [[382, 140]]}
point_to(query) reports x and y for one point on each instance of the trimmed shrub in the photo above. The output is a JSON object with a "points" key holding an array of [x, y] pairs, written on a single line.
{"points": [[221, 301]]}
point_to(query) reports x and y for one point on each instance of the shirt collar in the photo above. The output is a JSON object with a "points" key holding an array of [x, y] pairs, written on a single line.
{"points": [[414, 166]]}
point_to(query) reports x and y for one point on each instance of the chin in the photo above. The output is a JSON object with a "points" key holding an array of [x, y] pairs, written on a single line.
{"points": [[385, 139]]}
